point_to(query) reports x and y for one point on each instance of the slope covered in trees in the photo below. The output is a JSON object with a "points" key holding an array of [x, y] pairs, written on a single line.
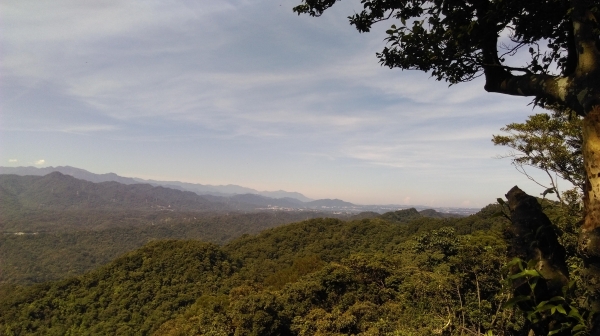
{"points": [[56, 226], [320, 276], [27, 258], [129, 296], [544, 49], [59, 253]]}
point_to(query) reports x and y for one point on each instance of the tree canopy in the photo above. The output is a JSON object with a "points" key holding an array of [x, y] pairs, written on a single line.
{"points": [[458, 41], [316, 277], [545, 49], [550, 142]]}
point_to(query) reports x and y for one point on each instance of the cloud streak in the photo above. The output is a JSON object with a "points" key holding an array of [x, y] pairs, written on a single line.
{"points": [[228, 84]]}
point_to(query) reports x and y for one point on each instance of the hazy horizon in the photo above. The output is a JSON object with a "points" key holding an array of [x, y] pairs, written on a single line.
{"points": [[233, 185], [245, 93]]}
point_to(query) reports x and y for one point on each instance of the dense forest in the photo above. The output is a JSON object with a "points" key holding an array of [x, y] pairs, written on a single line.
{"points": [[182, 268], [56, 226], [51, 255], [396, 274]]}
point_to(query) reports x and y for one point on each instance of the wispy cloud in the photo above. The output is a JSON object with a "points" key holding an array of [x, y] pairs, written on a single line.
{"points": [[84, 129], [230, 84]]}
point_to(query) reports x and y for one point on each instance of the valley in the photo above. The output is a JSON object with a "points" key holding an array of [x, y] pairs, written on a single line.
{"points": [[86, 258]]}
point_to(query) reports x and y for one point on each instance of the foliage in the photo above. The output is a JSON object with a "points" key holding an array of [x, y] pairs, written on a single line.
{"points": [[320, 276], [370, 294], [54, 242], [401, 215], [547, 308], [451, 38], [550, 142], [458, 41], [561, 311], [75, 242], [132, 295]]}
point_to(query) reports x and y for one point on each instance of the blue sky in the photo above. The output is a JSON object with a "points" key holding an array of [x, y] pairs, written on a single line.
{"points": [[247, 93]]}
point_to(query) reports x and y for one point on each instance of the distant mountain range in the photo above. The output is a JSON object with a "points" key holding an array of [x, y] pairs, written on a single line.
{"points": [[200, 189], [222, 197], [58, 191]]}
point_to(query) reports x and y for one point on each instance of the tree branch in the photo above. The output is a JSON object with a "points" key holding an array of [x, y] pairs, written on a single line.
{"points": [[509, 68], [542, 86]]}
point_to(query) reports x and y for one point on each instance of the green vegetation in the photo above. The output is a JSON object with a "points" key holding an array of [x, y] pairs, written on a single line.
{"points": [[544, 49], [550, 142], [400, 273], [132, 295], [317, 277], [60, 253], [550, 283], [56, 226], [396, 274], [54, 242]]}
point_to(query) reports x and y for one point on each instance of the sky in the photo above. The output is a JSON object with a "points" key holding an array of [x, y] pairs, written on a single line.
{"points": [[244, 92]]}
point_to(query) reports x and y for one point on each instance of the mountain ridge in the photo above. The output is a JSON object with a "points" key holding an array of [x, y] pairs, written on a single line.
{"points": [[62, 192], [243, 200], [200, 189]]}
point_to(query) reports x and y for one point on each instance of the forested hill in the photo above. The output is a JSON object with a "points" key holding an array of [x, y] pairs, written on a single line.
{"points": [[55, 245], [320, 276], [72, 244], [56, 191], [220, 190]]}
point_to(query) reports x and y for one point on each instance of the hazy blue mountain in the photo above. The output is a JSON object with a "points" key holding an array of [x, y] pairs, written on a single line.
{"points": [[234, 196], [57, 191], [200, 189], [67, 170], [328, 203], [286, 194], [225, 190]]}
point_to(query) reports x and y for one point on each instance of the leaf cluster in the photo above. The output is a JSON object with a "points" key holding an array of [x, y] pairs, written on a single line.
{"points": [[550, 142], [561, 311], [455, 40]]}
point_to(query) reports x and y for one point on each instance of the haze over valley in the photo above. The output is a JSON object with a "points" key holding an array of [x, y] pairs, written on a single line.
{"points": [[236, 197], [55, 225]]}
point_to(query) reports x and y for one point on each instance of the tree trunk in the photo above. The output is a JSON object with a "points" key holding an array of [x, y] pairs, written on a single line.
{"points": [[531, 237], [589, 239]]}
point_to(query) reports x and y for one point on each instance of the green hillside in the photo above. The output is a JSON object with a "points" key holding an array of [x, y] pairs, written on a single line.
{"points": [[132, 295], [77, 242], [316, 277]]}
